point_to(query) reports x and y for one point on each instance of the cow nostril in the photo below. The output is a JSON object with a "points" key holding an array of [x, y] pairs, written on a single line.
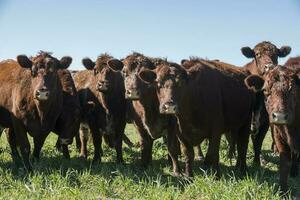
{"points": [[274, 115]]}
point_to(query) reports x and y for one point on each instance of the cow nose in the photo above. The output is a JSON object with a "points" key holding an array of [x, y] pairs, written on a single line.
{"points": [[132, 94], [169, 108], [101, 86], [279, 118], [269, 66], [42, 94]]}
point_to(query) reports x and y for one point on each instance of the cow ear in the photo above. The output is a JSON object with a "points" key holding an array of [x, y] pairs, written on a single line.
{"points": [[254, 83], [248, 52], [24, 61], [147, 75], [183, 61], [88, 63], [284, 51], [65, 62], [115, 65]]}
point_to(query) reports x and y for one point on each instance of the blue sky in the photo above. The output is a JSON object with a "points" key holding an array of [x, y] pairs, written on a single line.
{"points": [[166, 28]]}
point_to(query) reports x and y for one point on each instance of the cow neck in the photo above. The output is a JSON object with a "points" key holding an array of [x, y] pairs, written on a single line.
{"points": [[115, 97], [150, 105]]}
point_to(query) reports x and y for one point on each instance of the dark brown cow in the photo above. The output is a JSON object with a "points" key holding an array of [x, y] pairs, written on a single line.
{"points": [[146, 117], [102, 87], [265, 56], [207, 101], [281, 87], [32, 100], [67, 124]]}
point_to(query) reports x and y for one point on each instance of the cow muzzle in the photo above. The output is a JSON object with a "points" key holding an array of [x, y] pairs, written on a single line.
{"points": [[42, 94], [269, 67], [279, 118], [169, 108], [132, 94], [102, 86]]}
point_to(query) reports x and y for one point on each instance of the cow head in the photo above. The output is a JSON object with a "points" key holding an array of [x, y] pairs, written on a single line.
{"points": [[134, 86], [44, 76], [281, 90], [265, 55], [170, 80], [105, 69]]}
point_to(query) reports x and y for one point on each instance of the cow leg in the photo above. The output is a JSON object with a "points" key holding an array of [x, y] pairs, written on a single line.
{"points": [[284, 169], [11, 138], [97, 143], [23, 142], [294, 167], [127, 141], [174, 151], [38, 144], [257, 141], [58, 145], [83, 139], [242, 146], [212, 155], [78, 143], [118, 145], [65, 151], [146, 149], [200, 153]]}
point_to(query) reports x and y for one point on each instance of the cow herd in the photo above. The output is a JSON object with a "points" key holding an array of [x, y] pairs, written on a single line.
{"points": [[185, 103]]}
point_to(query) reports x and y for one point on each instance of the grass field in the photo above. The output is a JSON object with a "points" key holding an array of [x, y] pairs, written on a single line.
{"points": [[56, 178]]}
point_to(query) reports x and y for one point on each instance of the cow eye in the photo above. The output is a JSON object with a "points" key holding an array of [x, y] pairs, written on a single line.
{"points": [[258, 55], [95, 72]]}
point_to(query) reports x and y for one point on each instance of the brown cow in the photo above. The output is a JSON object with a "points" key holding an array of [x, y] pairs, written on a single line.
{"points": [[207, 101], [103, 88], [281, 87], [265, 57], [32, 100], [67, 124], [149, 122]]}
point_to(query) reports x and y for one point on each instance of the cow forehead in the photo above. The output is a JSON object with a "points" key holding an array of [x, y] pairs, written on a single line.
{"points": [[265, 46]]}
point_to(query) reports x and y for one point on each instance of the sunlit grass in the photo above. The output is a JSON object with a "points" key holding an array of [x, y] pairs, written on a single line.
{"points": [[56, 178]]}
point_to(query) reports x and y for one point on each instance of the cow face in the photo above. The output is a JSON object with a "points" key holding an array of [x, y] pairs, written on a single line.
{"points": [[170, 81], [104, 69], [44, 73], [266, 55], [281, 91], [133, 64]]}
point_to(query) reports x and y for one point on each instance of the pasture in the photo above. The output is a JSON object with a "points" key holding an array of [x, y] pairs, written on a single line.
{"points": [[56, 178]]}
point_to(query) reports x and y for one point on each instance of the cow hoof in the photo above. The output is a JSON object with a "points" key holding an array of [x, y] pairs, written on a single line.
{"points": [[176, 174]]}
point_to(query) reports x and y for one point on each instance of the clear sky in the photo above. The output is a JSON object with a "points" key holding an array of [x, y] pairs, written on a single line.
{"points": [[214, 29]]}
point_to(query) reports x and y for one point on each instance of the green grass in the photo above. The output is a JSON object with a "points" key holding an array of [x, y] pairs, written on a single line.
{"points": [[56, 178]]}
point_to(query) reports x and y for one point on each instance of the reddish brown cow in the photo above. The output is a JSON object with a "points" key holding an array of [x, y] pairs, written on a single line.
{"points": [[207, 101], [31, 100], [146, 117], [281, 87], [103, 88]]}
